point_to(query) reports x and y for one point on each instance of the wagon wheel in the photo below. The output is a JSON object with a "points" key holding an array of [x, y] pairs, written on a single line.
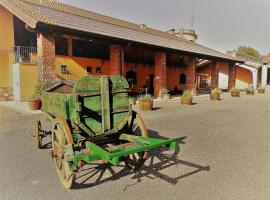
{"points": [[61, 137], [138, 128]]}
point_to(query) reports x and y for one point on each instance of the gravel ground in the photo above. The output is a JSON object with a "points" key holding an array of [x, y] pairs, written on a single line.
{"points": [[224, 154]]}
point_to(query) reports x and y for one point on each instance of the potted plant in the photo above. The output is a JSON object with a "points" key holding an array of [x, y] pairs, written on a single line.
{"points": [[261, 89], [146, 102], [215, 94], [34, 101], [235, 92], [187, 97], [250, 90], [165, 93]]}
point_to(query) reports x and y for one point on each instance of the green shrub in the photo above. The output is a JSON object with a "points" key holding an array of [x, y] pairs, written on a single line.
{"points": [[249, 89], [40, 87], [145, 98], [216, 91], [187, 94], [164, 91]]}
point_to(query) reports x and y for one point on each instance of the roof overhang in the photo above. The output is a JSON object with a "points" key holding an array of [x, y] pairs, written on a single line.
{"points": [[57, 15], [26, 18]]}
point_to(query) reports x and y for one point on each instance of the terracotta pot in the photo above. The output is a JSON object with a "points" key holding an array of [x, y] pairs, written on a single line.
{"points": [[34, 104], [261, 91], [146, 105], [250, 93], [186, 100], [235, 94], [166, 96], [215, 97]]}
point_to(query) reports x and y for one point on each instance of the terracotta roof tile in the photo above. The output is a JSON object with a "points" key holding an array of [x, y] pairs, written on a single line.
{"points": [[58, 14]]}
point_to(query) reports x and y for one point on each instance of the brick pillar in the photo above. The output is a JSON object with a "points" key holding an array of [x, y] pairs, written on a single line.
{"points": [[160, 72], [232, 75], [214, 75], [70, 46], [46, 57], [116, 59], [191, 75]]}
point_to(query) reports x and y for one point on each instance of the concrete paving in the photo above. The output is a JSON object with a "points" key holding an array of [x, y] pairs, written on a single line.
{"points": [[19, 106], [224, 155]]}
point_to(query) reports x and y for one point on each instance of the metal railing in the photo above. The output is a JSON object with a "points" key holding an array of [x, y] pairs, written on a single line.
{"points": [[27, 55]]}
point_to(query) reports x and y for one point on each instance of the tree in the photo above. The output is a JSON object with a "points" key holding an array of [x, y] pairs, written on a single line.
{"points": [[249, 51]]}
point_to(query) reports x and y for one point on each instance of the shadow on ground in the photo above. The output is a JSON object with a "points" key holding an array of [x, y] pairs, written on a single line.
{"points": [[159, 160]]}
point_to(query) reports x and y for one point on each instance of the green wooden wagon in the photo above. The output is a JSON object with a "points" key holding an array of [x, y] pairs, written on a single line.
{"points": [[95, 121]]}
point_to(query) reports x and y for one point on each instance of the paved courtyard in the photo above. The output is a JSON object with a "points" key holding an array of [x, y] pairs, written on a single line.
{"points": [[224, 154]]}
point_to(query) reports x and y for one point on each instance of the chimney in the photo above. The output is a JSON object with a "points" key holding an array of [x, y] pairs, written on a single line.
{"points": [[143, 26]]}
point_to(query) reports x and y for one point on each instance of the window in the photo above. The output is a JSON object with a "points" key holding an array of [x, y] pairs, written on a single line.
{"points": [[183, 61], [182, 78], [98, 70], [89, 69], [61, 46]]}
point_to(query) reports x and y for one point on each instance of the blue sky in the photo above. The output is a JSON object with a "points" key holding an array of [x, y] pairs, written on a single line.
{"points": [[220, 24]]}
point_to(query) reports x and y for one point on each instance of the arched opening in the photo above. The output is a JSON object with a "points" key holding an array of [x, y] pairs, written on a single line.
{"points": [[131, 77], [243, 78], [182, 79]]}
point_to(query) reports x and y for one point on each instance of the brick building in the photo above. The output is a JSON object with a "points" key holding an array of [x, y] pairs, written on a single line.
{"points": [[55, 41]]}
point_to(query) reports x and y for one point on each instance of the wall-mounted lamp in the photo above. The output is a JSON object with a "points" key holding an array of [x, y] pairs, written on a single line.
{"points": [[64, 69]]}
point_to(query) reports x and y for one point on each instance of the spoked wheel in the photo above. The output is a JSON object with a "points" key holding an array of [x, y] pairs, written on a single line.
{"points": [[59, 140], [38, 134], [137, 128]]}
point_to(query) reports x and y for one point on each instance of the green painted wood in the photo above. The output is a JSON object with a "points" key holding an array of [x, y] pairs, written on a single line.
{"points": [[113, 156], [99, 104], [55, 104], [105, 104], [143, 144]]}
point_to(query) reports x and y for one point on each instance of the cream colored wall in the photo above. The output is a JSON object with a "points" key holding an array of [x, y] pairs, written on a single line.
{"points": [[28, 80], [6, 44]]}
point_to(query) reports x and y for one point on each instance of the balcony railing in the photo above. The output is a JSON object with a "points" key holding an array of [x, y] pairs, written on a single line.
{"points": [[26, 55]]}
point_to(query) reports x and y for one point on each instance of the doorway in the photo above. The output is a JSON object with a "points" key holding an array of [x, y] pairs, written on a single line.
{"points": [[151, 85]]}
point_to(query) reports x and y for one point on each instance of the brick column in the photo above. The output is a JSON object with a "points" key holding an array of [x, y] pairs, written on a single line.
{"points": [[160, 72], [214, 75], [70, 46], [46, 57], [231, 75], [116, 59], [191, 75]]}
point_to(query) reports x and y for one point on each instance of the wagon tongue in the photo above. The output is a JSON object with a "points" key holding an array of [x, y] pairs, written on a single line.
{"points": [[135, 144]]}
